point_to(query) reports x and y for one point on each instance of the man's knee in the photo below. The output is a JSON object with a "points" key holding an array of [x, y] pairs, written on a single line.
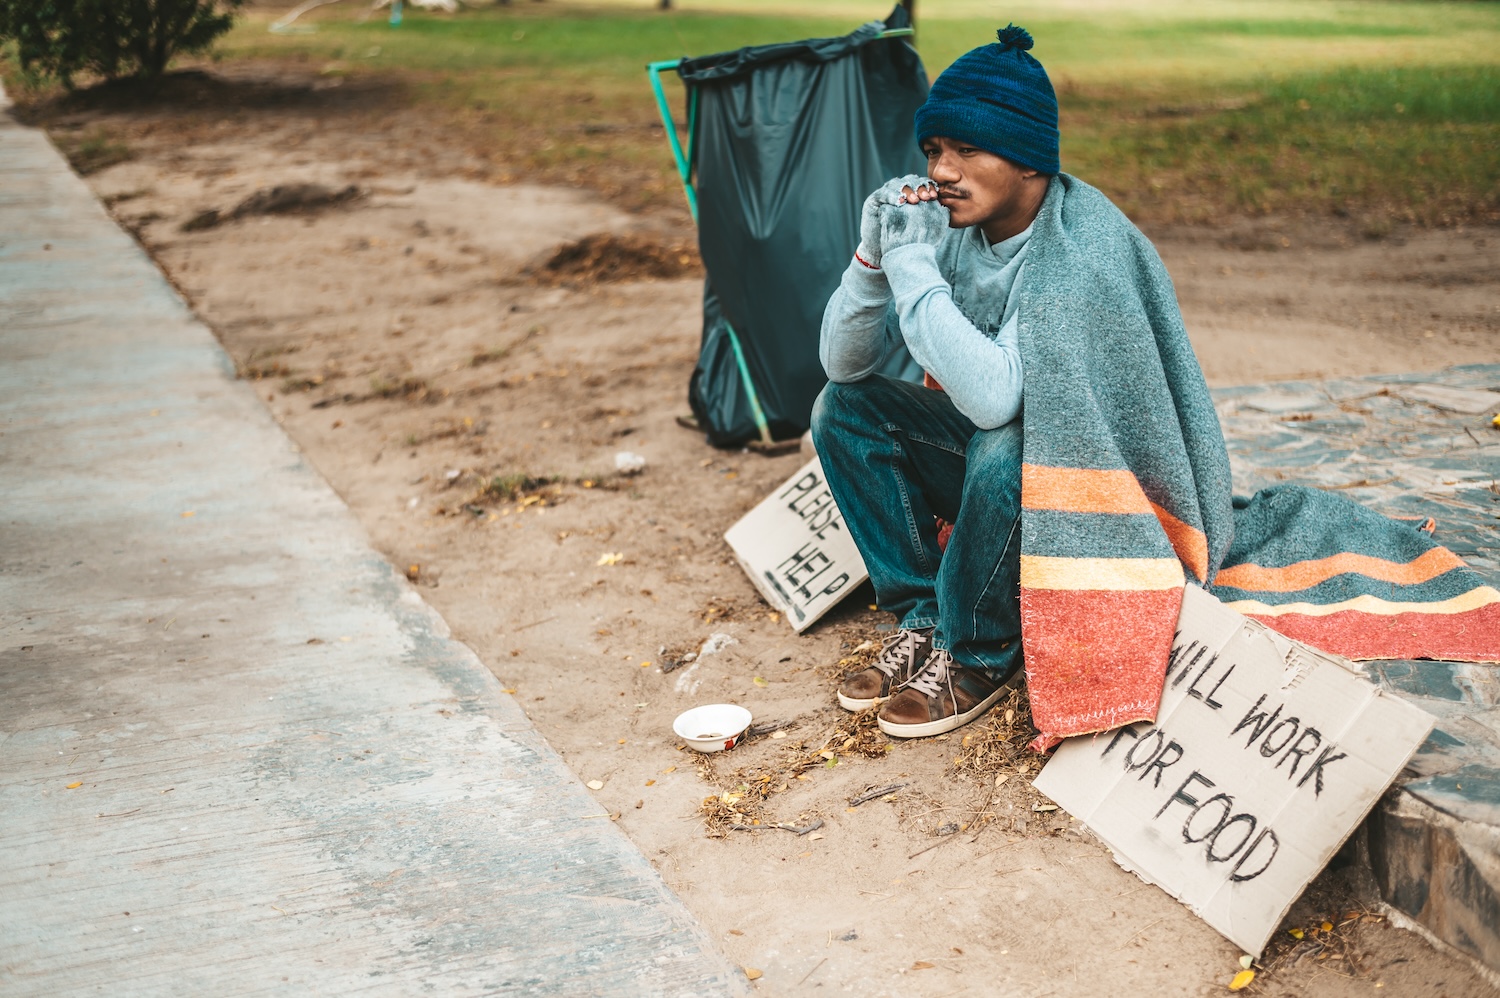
{"points": [[995, 455], [842, 406]]}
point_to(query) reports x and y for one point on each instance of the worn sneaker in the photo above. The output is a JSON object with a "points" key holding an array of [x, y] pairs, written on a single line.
{"points": [[901, 654], [939, 697]]}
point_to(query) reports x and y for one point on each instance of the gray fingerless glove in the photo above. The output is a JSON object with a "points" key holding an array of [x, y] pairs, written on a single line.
{"points": [[889, 193], [906, 224]]}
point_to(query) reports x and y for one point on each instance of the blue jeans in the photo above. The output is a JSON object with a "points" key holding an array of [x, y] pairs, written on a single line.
{"points": [[897, 454]]}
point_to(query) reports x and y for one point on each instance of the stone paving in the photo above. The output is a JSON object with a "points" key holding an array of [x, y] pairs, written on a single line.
{"points": [[1411, 445]]}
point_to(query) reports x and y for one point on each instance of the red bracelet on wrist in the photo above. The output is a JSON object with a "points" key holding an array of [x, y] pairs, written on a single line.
{"points": [[865, 262]]}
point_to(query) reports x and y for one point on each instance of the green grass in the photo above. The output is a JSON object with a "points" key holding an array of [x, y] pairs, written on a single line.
{"points": [[1179, 109], [1420, 144]]}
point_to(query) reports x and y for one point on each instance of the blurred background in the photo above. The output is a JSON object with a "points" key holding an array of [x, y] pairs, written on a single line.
{"points": [[1181, 111]]}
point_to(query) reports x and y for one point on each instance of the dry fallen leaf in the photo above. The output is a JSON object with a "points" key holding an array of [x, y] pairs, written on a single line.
{"points": [[508, 689], [1295, 933], [752, 974], [650, 783], [1246, 960], [760, 682], [1242, 980], [595, 784], [815, 836], [922, 965], [610, 558], [670, 769], [1326, 926], [74, 786]]}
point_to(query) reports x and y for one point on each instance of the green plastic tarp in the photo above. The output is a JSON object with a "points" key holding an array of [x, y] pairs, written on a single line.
{"points": [[789, 141]]}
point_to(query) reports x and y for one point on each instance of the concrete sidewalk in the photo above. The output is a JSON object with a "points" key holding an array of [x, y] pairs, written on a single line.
{"points": [[238, 754]]}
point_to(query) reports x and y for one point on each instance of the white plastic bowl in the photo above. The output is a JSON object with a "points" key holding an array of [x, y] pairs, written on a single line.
{"points": [[713, 727]]}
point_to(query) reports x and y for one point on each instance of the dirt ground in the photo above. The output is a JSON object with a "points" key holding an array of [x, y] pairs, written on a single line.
{"points": [[470, 415]]}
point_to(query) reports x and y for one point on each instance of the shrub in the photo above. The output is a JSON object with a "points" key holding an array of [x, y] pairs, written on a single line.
{"points": [[110, 38]]}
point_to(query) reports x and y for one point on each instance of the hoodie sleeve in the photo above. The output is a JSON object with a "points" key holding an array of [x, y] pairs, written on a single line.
{"points": [[855, 340], [981, 375]]}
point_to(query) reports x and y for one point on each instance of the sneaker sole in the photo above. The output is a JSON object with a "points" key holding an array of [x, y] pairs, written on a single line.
{"points": [[855, 706], [945, 724]]}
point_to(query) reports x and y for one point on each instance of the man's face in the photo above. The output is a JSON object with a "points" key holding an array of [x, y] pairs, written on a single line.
{"points": [[974, 185]]}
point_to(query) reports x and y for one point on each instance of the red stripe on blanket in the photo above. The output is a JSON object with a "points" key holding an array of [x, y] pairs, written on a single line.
{"points": [[1095, 660], [1470, 636]]}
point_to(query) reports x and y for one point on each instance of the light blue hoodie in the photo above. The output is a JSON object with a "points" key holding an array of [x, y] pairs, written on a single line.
{"points": [[953, 307]]}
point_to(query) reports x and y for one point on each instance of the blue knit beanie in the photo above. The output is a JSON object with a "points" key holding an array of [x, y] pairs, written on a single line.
{"points": [[998, 98]]}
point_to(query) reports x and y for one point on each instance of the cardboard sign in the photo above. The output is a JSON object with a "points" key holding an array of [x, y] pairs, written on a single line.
{"points": [[1265, 756], [796, 549]]}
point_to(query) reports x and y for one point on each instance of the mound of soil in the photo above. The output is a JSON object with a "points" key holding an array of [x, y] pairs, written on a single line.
{"points": [[282, 199], [604, 257]]}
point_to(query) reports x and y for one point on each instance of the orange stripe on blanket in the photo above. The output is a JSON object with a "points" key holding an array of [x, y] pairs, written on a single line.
{"points": [[1306, 574], [1473, 636], [1081, 490], [1095, 660], [1190, 543], [1100, 574]]}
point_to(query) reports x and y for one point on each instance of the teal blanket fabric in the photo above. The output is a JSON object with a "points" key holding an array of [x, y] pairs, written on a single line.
{"points": [[1126, 497]]}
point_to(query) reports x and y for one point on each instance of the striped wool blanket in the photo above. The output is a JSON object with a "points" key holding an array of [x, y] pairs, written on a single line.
{"points": [[1126, 497]]}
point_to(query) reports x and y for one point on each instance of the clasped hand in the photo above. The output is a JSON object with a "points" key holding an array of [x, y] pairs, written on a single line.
{"points": [[901, 212]]}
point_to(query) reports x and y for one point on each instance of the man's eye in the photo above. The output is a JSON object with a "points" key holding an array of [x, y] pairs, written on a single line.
{"points": [[930, 152], [967, 150]]}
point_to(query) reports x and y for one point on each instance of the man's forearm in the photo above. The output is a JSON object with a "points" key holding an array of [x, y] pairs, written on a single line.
{"points": [[853, 342], [982, 375]]}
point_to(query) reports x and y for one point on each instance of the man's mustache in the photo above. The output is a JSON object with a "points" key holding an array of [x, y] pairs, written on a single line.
{"points": [[952, 192]]}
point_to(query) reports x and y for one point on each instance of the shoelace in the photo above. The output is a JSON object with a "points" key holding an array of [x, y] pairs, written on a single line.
{"points": [[933, 676], [898, 647]]}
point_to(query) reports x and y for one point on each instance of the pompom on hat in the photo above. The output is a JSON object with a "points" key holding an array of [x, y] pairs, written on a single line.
{"points": [[997, 98]]}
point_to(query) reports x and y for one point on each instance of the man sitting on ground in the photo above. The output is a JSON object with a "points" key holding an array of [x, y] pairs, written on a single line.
{"points": [[997, 262], [947, 253]]}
